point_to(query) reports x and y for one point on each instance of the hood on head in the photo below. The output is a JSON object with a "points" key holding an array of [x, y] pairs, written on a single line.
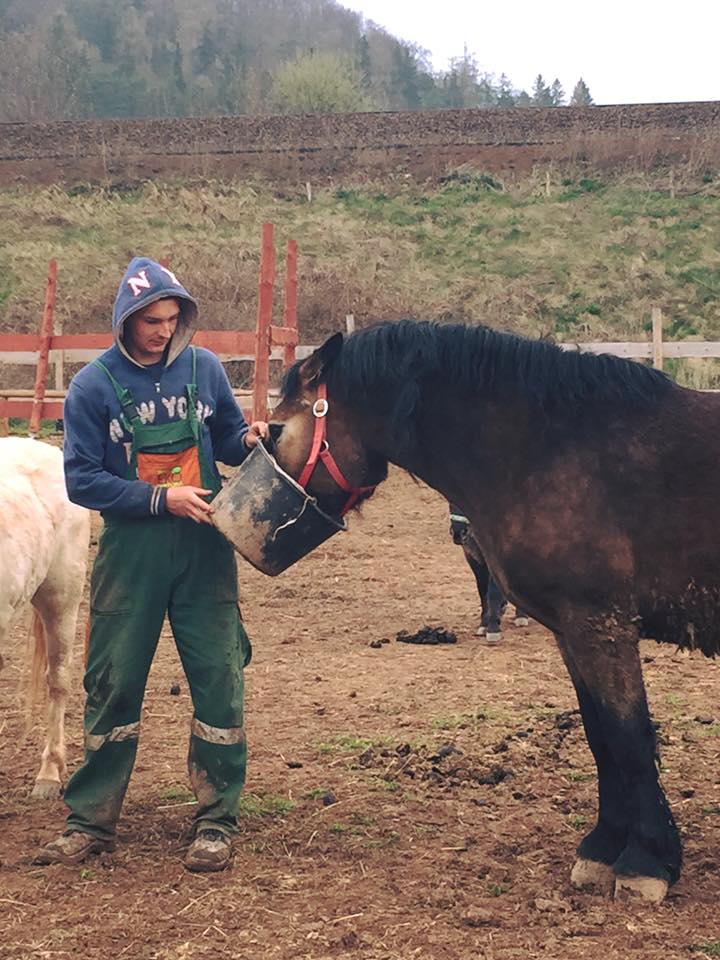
{"points": [[146, 281]]}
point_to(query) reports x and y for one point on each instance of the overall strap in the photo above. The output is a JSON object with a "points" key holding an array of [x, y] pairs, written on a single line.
{"points": [[209, 475], [192, 395], [125, 398]]}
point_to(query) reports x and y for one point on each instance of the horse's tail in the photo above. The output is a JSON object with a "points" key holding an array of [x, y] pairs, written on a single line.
{"points": [[37, 684]]}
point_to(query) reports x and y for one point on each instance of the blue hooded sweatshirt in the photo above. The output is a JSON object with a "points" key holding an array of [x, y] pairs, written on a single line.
{"points": [[97, 445]]}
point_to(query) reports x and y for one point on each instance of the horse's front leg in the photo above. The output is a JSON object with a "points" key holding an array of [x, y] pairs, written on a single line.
{"points": [[635, 844]]}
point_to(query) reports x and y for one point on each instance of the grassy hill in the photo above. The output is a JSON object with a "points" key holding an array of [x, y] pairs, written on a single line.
{"points": [[577, 258]]}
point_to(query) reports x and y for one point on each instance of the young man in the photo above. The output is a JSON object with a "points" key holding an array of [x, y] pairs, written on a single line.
{"points": [[144, 425]]}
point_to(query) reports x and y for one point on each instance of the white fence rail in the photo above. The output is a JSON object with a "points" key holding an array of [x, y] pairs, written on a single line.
{"points": [[639, 350]]}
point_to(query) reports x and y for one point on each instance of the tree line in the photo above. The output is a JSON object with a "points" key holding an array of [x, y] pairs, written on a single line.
{"points": [[73, 59]]}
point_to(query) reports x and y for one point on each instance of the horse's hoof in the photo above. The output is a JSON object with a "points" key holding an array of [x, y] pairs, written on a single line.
{"points": [[590, 873], [492, 639], [652, 889], [521, 622], [481, 631], [47, 790]]}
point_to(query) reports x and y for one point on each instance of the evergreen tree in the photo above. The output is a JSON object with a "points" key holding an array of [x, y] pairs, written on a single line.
{"points": [[206, 52], [364, 64], [99, 22], [557, 94], [505, 96], [405, 78], [486, 94], [541, 93], [461, 82], [581, 95]]}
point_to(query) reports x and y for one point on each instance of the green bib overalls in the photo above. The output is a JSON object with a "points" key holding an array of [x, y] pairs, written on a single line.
{"points": [[145, 569]]}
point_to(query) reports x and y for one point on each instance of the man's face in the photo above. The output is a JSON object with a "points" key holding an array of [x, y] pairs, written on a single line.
{"points": [[148, 332]]}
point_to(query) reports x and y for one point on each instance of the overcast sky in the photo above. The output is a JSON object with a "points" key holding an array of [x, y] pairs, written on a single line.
{"points": [[627, 51]]}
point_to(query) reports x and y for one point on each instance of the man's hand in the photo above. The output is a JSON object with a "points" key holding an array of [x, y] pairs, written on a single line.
{"points": [[186, 502], [257, 429]]}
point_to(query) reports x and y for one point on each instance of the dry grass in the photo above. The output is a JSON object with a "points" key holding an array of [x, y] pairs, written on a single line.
{"points": [[562, 253]]}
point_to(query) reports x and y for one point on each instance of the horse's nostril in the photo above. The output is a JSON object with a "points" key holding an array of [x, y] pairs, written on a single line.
{"points": [[275, 430]]}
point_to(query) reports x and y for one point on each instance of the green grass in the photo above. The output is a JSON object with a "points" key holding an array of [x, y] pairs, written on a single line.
{"points": [[710, 948], [19, 427], [453, 721], [351, 743], [497, 889], [256, 805], [379, 843], [177, 793], [577, 821], [711, 730]]}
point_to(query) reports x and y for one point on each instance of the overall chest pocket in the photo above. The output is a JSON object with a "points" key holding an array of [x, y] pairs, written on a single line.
{"points": [[170, 469]]}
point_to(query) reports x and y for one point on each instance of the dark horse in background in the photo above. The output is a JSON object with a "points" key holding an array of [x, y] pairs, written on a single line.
{"points": [[593, 487], [492, 600]]}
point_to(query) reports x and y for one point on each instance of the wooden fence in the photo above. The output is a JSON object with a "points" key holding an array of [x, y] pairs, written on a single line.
{"points": [[266, 342]]}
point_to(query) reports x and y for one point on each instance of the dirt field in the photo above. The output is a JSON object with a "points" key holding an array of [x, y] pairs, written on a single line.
{"points": [[402, 801]]}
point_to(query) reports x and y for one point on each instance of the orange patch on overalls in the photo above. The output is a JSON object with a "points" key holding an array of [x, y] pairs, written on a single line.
{"points": [[170, 469]]}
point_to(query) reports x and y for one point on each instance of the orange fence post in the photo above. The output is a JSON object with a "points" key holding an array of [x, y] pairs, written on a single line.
{"points": [[290, 305], [46, 333], [262, 329]]}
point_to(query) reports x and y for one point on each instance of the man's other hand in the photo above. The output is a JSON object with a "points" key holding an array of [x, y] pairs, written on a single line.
{"points": [[257, 430]]}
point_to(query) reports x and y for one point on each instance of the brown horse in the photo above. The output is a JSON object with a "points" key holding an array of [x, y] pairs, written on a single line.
{"points": [[592, 483]]}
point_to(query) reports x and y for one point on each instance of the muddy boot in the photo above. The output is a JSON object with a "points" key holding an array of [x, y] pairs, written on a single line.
{"points": [[72, 847], [209, 851]]}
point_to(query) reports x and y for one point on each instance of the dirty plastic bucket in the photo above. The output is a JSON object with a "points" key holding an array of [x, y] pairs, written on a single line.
{"points": [[268, 517]]}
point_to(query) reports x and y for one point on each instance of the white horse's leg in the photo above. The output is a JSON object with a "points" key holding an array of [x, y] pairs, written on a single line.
{"points": [[60, 621], [57, 601]]}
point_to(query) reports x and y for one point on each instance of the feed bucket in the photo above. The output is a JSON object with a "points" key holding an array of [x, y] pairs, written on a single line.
{"points": [[268, 517]]}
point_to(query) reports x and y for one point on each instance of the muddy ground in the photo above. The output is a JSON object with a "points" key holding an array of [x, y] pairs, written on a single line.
{"points": [[402, 801]]}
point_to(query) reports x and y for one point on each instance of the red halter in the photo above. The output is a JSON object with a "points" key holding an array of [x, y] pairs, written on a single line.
{"points": [[320, 450]]}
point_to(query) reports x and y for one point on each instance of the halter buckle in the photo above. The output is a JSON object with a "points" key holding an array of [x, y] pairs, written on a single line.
{"points": [[320, 407]]}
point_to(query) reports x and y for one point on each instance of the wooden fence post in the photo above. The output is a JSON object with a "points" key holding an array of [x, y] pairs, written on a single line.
{"points": [[290, 305], [262, 329], [46, 333], [657, 337], [59, 360]]}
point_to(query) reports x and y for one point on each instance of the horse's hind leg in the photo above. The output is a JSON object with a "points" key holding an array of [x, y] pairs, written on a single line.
{"points": [[495, 607], [59, 618], [482, 576], [521, 619], [635, 836]]}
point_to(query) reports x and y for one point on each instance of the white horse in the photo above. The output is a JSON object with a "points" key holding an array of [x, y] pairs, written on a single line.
{"points": [[43, 559]]}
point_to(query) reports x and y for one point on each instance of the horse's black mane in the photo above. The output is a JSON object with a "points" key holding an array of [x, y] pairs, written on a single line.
{"points": [[390, 365], [479, 361]]}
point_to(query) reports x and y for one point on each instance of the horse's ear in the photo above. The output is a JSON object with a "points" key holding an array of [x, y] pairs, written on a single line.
{"points": [[322, 359]]}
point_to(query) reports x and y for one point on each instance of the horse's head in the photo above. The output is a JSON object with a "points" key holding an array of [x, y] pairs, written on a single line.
{"points": [[317, 438]]}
